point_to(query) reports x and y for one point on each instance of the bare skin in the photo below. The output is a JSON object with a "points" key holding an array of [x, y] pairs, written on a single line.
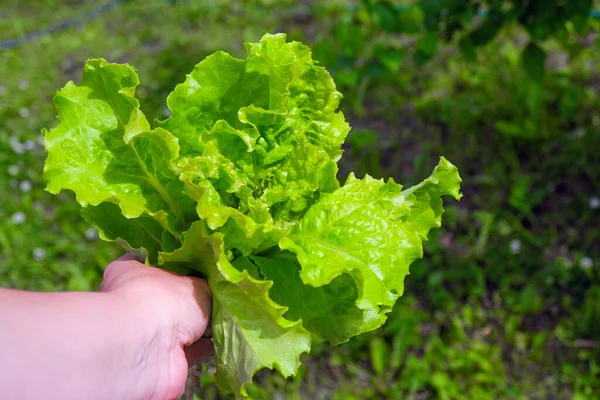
{"points": [[133, 340]]}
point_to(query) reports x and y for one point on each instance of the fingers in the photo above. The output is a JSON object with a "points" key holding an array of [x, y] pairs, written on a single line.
{"points": [[202, 293], [116, 269], [198, 351], [127, 257], [123, 262], [200, 316]]}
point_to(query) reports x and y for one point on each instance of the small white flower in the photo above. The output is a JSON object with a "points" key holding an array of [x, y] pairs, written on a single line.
{"points": [[91, 233], [586, 263], [25, 186], [594, 203], [16, 145], [23, 84], [39, 254], [167, 112], [13, 170], [515, 246], [29, 145], [18, 217], [24, 112]]}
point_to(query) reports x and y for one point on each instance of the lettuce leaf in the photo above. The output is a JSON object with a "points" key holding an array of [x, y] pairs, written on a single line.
{"points": [[239, 186], [264, 132], [249, 330], [105, 151], [371, 230], [329, 312]]}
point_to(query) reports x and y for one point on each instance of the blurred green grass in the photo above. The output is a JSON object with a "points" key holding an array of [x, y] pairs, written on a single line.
{"points": [[506, 303]]}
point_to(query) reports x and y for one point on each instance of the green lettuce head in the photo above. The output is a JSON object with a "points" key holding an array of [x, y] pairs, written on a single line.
{"points": [[239, 186]]}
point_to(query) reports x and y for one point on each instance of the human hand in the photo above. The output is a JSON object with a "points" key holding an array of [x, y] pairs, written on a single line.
{"points": [[171, 313]]}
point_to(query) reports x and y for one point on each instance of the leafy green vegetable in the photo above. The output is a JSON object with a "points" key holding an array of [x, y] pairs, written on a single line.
{"points": [[239, 186]]}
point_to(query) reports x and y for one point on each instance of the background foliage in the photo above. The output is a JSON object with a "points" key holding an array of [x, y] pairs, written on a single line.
{"points": [[506, 303]]}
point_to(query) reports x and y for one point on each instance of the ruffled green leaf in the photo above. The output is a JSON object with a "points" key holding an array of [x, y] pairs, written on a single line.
{"points": [[425, 199], [199, 251], [144, 236], [249, 330], [104, 150], [265, 130], [367, 229], [329, 312], [243, 231]]}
